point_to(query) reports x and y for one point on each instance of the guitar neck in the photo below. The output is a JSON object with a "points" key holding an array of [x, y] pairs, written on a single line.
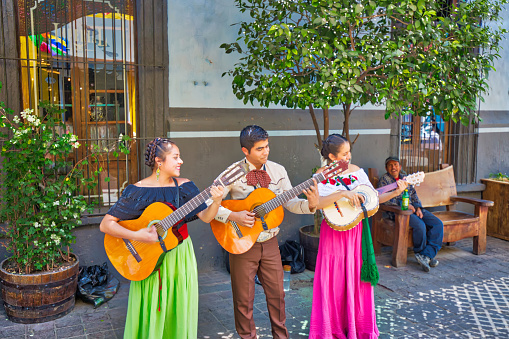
{"points": [[185, 209], [387, 188], [288, 195]]}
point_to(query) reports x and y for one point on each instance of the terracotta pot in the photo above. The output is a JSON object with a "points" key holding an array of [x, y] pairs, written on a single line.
{"points": [[310, 242], [39, 297]]}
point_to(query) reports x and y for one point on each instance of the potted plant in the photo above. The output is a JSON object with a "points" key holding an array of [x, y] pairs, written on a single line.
{"points": [[497, 190], [42, 202]]}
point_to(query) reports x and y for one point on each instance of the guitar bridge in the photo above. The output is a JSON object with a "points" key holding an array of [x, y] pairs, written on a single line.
{"points": [[131, 249]]}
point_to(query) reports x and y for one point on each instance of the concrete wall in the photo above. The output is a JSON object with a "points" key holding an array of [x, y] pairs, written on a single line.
{"points": [[493, 147]]}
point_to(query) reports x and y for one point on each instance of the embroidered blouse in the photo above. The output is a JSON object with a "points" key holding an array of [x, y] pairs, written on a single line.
{"points": [[352, 179]]}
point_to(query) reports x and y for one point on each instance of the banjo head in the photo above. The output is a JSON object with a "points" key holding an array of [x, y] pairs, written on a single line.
{"points": [[351, 216]]}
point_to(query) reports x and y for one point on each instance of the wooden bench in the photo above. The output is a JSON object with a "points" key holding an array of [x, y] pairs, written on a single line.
{"points": [[438, 189]]}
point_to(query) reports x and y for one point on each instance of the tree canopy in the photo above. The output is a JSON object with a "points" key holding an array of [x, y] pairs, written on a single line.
{"points": [[407, 54]]}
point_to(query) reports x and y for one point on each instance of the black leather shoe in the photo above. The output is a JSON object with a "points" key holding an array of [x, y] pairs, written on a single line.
{"points": [[423, 261], [433, 262]]}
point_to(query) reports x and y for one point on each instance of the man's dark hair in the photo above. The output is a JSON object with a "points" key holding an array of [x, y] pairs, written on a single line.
{"points": [[251, 134]]}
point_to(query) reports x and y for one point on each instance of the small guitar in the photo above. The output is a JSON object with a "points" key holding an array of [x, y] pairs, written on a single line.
{"points": [[268, 211], [342, 216], [136, 260]]}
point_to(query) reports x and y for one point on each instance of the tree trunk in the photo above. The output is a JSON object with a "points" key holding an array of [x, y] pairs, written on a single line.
{"points": [[346, 122], [325, 123], [317, 128]]}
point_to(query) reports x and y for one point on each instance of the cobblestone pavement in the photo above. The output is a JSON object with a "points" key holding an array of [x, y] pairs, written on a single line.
{"points": [[466, 296]]}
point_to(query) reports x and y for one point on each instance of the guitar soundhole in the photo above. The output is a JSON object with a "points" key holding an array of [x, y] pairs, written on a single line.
{"points": [[366, 197], [162, 233], [259, 212]]}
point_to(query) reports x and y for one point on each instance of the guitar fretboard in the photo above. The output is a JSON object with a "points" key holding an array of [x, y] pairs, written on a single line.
{"points": [[185, 209], [286, 196], [387, 188]]}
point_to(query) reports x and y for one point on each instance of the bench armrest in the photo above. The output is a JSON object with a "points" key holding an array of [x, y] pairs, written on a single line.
{"points": [[477, 202], [395, 210]]}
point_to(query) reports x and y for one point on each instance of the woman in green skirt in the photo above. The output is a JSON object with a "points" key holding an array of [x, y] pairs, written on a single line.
{"points": [[164, 305]]}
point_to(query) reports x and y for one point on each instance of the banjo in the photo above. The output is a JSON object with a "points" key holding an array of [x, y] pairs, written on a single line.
{"points": [[343, 216]]}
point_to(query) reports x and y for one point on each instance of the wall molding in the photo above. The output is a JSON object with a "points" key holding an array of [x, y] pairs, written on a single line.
{"points": [[272, 133]]}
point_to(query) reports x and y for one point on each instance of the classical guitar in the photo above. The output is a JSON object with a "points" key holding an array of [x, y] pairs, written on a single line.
{"points": [[136, 260], [268, 211], [342, 216]]}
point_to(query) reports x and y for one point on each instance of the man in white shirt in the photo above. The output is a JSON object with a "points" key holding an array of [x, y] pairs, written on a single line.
{"points": [[263, 258]]}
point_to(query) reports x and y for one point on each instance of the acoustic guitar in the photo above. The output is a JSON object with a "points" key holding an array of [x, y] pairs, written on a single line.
{"points": [[135, 260], [343, 216], [268, 210]]}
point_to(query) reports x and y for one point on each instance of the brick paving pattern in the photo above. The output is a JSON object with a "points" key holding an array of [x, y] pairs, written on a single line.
{"points": [[466, 296]]}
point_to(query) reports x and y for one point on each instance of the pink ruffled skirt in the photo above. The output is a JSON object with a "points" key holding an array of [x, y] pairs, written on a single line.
{"points": [[343, 306]]}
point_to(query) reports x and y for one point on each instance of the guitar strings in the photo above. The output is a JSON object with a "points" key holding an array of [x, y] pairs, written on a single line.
{"points": [[188, 208]]}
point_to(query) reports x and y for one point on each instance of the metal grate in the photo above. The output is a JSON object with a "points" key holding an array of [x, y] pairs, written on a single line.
{"points": [[105, 62], [428, 143]]}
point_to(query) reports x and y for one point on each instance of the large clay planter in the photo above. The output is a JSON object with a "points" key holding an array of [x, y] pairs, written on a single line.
{"points": [[497, 224], [310, 242], [39, 297]]}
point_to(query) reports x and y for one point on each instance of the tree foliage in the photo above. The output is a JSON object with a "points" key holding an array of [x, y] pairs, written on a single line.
{"points": [[324, 53]]}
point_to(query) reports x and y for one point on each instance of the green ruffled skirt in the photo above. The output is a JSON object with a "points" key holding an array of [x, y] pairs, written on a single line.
{"points": [[178, 299]]}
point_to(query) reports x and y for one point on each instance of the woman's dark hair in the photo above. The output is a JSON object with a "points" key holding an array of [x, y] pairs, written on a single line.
{"points": [[158, 147], [332, 145], [251, 134]]}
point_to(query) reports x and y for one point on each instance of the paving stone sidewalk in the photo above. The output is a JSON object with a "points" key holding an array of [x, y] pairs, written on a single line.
{"points": [[466, 296]]}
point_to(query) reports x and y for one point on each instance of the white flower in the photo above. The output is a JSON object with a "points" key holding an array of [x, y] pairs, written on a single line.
{"points": [[37, 122], [74, 138], [36, 224], [27, 112], [56, 203], [36, 243], [55, 238], [76, 144], [120, 137], [53, 224], [76, 216]]}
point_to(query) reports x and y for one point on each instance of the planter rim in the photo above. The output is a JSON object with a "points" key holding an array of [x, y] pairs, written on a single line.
{"points": [[39, 273], [308, 234], [497, 181]]}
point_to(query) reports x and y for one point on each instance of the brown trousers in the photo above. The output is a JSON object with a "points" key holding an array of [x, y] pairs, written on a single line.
{"points": [[262, 259]]}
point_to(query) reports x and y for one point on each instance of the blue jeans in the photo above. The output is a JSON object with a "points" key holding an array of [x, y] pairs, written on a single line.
{"points": [[428, 233]]}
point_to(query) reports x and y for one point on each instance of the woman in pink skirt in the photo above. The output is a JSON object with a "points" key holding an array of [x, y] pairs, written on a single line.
{"points": [[343, 304]]}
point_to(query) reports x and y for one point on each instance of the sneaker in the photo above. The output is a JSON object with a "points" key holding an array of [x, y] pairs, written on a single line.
{"points": [[423, 261], [433, 262]]}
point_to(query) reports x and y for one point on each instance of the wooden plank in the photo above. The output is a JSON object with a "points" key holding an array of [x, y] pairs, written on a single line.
{"points": [[455, 217], [437, 187], [498, 216], [9, 67]]}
